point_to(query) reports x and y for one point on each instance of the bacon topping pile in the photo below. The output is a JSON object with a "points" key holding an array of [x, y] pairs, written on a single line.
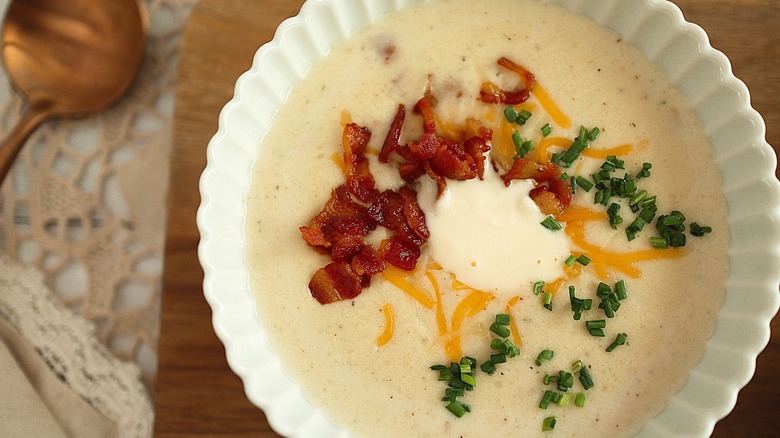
{"points": [[439, 157], [357, 207], [353, 210]]}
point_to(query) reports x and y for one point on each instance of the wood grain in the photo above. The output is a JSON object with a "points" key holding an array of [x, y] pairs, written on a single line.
{"points": [[196, 393]]}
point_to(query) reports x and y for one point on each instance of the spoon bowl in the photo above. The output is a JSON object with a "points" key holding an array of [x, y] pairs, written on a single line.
{"points": [[69, 59]]}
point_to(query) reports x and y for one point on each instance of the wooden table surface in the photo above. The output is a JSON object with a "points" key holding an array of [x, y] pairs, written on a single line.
{"points": [[196, 393]]}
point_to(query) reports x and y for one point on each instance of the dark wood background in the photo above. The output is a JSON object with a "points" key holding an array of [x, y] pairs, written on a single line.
{"points": [[196, 393]]}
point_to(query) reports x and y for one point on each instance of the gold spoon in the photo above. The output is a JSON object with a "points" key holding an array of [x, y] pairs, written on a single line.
{"points": [[69, 58]]}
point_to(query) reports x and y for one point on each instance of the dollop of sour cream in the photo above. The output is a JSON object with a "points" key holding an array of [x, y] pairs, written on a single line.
{"points": [[490, 236]]}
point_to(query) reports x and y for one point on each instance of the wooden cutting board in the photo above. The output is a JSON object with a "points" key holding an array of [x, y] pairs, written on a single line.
{"points": [[196, 393]]}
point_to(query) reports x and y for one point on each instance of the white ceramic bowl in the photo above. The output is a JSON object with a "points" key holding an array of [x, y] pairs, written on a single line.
{"points": [[659, 30]]}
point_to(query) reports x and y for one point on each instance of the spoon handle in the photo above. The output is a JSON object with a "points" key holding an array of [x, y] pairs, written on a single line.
{"points": [[13, 144]]}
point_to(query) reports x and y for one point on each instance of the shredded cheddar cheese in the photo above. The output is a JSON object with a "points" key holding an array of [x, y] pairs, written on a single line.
{"points": [[620, 261], [474, 303], [541, 154], [399, 280], [338, 159], [387, 333], [516, 338], [602, 154], [550, 106], [441, 318]]}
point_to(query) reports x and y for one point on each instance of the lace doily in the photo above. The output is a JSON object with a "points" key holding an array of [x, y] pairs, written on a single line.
{"points": [[68, 345], [85, 202]]}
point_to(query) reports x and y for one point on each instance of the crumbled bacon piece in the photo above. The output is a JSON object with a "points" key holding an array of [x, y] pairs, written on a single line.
{"points": [[399, 253], [452, 162], [549, 184], [359, 179], [393, 135], [523, 168], [335, 282], [413, 213], [492, 93], [547, 202], [387, 210], [368, 261], [341, 215], [562, 190]]}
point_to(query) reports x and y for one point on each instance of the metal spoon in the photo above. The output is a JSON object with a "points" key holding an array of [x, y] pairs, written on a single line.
{"points": [[69, 58]]}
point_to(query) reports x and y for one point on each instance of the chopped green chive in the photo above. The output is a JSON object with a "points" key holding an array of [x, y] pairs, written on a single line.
{"points": [[510, 113], [500, 330], [645, 172], [523, 117], [583, 260], [620, 290], [547, 300], [538, 287], [620, 339], [544, 356], [565, 399], [659, 242], [549, 424], [551, 224], [614, 217], [570, 260], [596, 327], [699, 230], [585, 378], [458, 408], [579, 400], [565, 381], [584, 183], [546, 130], [568, 156], [578, 305], [488, 367], [547, 398]]}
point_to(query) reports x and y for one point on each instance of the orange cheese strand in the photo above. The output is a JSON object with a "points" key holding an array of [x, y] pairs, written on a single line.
{"points": [[441, 319], [555, 286], [516, 338], [580, 214], [602, 154], [372, 150], [550, 106], [339, 160], [621, 261], [540, 152], [387, 334], [346, 118], [399, 280], [469, 306]]}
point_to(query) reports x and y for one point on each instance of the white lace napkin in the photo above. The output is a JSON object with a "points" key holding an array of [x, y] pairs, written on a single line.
{"points": [[68, 384]]}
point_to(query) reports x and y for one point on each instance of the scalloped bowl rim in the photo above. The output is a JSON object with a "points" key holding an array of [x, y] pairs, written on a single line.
{"points": [[741, 332]]}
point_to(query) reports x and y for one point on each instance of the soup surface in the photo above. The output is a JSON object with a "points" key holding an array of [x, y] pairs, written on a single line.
{"points": [[487, 248]]}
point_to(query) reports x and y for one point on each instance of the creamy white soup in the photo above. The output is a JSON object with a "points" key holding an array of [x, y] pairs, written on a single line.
{"points": [[366, 361]]}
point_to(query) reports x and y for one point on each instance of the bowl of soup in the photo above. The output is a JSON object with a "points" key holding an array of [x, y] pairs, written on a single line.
{"points": [[460, 218]]}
